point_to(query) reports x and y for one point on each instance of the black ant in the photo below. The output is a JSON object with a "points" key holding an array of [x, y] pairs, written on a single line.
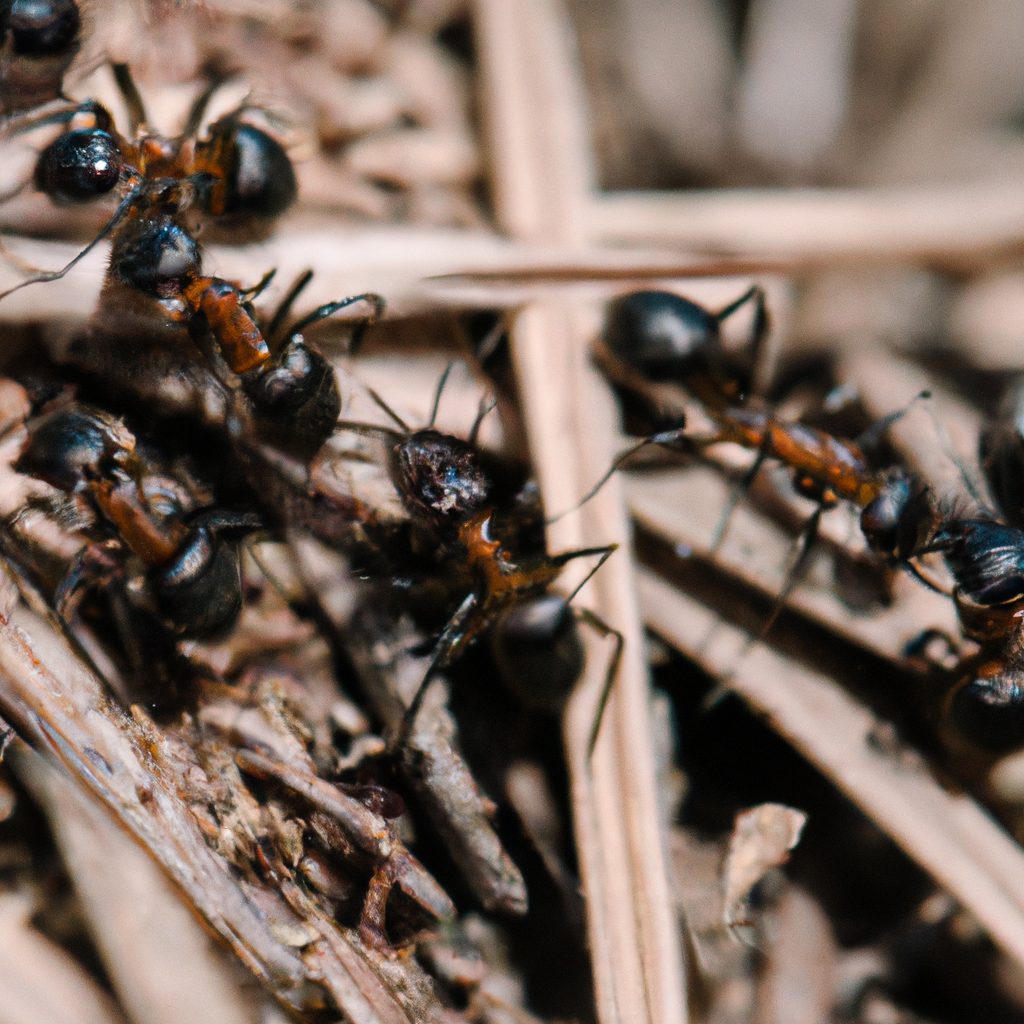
{"points": [[656, 336], [40, 39], [167, 556], [236, 173], [444, 488]]}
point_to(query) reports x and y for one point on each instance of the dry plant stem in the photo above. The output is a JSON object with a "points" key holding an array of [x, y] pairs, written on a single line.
{"points": [[40, 982], [950, 836], [951, 226], [160, 960], [124, 762], [430, 758], [542, 179]]}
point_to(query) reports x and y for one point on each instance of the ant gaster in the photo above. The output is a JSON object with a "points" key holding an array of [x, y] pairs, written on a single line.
{"points": [[38, 41]]}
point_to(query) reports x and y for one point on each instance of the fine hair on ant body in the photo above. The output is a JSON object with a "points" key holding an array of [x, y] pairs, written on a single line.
{"points": [[441, 483]]}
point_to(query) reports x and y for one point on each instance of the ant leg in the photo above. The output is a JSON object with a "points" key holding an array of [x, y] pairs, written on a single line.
{"points": [[123, 208], [453, 634], [440, 390], [759, 328], [131, 96], [260, 286], [285, 307], [487, 403], [739, 492], [922, 577], [611, 675], [665, 437], [330, 308], [808, 535], [198, 109]]}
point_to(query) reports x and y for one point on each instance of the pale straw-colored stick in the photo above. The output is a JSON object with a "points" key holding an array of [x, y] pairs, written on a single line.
{"points": [[542, 181]]}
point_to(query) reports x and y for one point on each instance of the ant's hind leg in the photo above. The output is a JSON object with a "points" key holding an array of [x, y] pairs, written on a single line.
{"points": [[805, 547], [594, 620], [454, 634], [736, 495]]}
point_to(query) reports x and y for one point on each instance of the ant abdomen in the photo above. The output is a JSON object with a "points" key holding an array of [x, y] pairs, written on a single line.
{"points": [[79, 166], [987, 707], [296, 397], [41, 40], [539, 651], [662, 335], [73, 445], [200, 592], [439, 475], [258, 178]]}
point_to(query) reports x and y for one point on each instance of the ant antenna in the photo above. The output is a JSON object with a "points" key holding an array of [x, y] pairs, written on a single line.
{"points": [[487, 403], [437, 394], [55, 275], [132, 97], [727, 311], [285, 306], [391, 412], [666, 437], [330, 308], [260, 286]]}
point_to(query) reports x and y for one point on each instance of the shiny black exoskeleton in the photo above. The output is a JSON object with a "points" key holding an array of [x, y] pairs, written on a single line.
{"points": [[190, 567], [539, 651], [665, 337], [40, 39]]}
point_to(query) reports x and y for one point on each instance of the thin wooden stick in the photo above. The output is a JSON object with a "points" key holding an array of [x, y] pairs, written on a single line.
{"points": [[543, 180], [950, 836]]}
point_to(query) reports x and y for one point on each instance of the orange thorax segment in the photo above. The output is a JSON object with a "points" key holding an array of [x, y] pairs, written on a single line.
{"points": [[239, 339]]}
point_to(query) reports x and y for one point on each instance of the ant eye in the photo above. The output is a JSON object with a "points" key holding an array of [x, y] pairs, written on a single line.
{"points": [[43, 28], [78, 166], [259, 177]]}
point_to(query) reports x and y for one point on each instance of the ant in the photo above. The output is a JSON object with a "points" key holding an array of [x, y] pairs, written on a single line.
{"points": [[236, 173], [656, 336], [445, 490], [653, 336], [38, 41], [169, 557]]}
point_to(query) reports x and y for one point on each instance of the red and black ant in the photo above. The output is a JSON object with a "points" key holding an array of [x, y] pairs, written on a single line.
{"points": [[444, 488], [145, 526], [40, 39]]}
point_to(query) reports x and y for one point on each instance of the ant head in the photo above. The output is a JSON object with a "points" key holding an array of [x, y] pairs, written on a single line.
{"points": [[155, 255], [662, 335], [43, 28], [78, 166], [439, 475], [296, 395], [987, 706], [73, 445], [901, 520], [259, 178], [539, 652]]}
